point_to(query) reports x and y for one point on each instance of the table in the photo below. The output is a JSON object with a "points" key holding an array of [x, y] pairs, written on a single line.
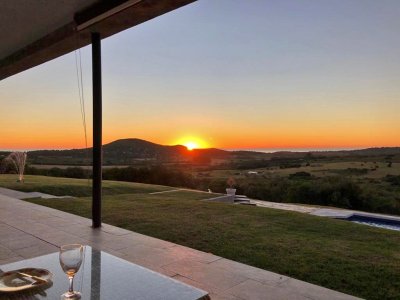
{"points": [[104, 276]]}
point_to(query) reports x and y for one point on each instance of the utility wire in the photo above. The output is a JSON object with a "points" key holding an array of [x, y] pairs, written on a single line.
{"points": [[79, 77], [78, 66]]}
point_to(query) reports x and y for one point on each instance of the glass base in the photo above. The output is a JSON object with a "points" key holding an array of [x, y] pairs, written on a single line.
{"points": [[71, 295]]}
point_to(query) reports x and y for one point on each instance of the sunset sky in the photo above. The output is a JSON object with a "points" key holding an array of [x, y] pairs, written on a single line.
{"points": [[227, 74]]}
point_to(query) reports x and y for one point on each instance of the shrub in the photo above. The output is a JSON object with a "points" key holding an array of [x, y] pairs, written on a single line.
{"points": [[393, 179], [300, 175]]}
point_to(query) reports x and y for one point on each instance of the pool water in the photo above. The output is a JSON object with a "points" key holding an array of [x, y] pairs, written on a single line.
{"points": [[376, 222]]}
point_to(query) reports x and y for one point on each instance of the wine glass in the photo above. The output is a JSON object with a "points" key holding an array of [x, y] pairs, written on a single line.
{"points": [[71, 257]]}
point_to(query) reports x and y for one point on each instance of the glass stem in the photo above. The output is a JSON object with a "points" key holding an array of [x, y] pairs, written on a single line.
{"points": [[71, 284]]}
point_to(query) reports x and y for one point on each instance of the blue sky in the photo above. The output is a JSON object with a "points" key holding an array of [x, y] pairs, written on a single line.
{"points": [[232, 73]]}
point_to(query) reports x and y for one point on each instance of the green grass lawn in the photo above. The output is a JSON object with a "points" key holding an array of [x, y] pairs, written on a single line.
{"points": [[75, 187], [352, 258]]}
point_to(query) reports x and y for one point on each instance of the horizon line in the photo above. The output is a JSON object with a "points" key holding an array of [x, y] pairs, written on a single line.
{"points": [[231, 149]]}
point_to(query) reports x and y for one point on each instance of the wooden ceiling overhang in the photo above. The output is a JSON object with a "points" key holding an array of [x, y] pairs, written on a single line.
{"points": [[106, 17]]}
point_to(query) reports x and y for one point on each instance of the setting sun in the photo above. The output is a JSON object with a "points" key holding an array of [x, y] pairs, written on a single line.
{"points": [[191, 143]]}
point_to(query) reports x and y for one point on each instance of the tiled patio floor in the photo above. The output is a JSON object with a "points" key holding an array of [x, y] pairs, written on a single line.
{"points": [[28, 230]]}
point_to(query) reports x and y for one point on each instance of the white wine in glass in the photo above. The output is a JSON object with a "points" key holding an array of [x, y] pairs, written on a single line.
{"points": [[71, 257]]}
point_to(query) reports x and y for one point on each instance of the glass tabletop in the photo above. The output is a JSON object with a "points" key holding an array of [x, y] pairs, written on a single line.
{"points": [[103, 276]]}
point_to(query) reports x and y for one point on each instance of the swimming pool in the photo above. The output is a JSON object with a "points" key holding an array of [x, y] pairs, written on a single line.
{"points": [[375, 221]]}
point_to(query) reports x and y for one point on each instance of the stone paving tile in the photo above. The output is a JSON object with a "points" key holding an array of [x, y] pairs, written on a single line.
{"points": [[111, 251], [98, 235], [106, 245], [128, 240], [53, 213], [36, 229], [10, 233], [48, 233], [6, 253], [313, 291], [99, 239], [78, 229], [10, 260], [38, 216], [146, 263], [36, 250], [250, 272], [11, 219], [224, 297], [192, 254], [115, 230], [5, 240], [200, 285], [145, 255], [149, 241], [55, 222], [251, 289], [20, 242], [62, 238], [207, 274], [159, 257], [163, 271], [117, 244]]}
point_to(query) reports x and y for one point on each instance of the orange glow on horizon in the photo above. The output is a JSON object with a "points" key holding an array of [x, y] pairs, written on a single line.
{"points": [[31, 142], [240, 138]]}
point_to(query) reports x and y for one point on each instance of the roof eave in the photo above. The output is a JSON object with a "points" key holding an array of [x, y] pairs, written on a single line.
{"points": [[67, 38]]}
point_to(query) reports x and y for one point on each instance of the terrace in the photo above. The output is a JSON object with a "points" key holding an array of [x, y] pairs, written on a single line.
{"points": [[29, 230]]}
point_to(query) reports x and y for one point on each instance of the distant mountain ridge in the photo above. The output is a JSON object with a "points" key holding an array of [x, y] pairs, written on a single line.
{"points": [[137, 148], [125, 151], [374, 151], [133, 150]]}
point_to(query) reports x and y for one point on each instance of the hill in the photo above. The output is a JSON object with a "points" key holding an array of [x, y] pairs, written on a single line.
{"points": [[125, 152], [133, 151], [363, 152]]}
